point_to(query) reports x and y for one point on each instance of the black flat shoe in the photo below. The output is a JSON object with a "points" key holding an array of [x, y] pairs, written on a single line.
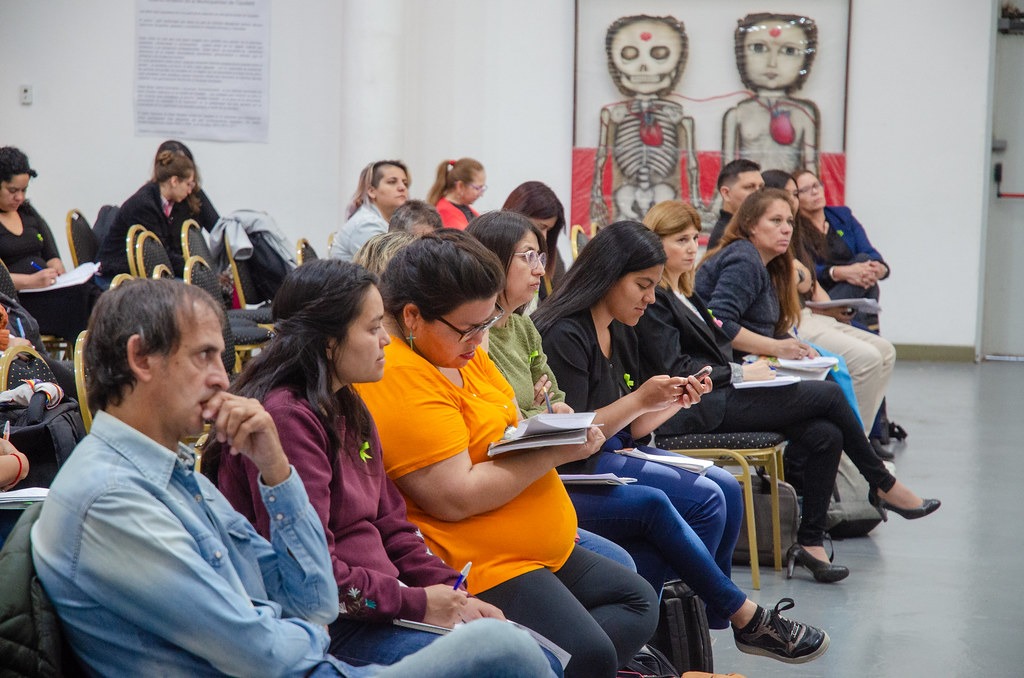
{"points": [[823, 571], [927, 506]]}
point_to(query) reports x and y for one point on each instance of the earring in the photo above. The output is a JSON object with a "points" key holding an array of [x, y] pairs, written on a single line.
{"points": [[410, 339]]}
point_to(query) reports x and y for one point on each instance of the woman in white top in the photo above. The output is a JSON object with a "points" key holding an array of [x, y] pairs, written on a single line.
{"points": [[383, 188]]}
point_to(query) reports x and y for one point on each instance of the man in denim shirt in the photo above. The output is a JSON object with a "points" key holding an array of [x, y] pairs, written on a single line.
{"points": [[151, 570]]}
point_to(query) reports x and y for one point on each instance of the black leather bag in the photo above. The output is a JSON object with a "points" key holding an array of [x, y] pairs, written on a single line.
{"points": [[683, 635], [789, 520], [46, 437]]}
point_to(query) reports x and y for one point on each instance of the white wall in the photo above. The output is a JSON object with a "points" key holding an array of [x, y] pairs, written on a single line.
{"points": [[917, 158], [426, 80]]}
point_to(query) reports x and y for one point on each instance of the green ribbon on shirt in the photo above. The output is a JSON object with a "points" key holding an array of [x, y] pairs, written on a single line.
{"points": [[363, 454], [628, 379]]}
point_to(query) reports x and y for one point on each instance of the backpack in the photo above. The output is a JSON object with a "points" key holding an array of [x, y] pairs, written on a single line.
{"points": [[683, 634], [648, 662], [46, 436], [849, 513]]}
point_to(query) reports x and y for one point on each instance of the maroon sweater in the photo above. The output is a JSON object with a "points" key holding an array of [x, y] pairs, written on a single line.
{"points": [[372, 543]]}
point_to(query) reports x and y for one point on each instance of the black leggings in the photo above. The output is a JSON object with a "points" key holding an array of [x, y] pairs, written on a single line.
{"points": [[595, 609], [820, 425]]}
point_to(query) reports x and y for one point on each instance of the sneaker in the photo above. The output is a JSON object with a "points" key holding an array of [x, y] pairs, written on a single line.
{"points": [[771, 635]]}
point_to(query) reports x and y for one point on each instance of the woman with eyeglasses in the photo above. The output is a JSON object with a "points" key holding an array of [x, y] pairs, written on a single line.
{"points": [[383, 187], [846, 263], [642, 519], [457, 185], [440, 404]]}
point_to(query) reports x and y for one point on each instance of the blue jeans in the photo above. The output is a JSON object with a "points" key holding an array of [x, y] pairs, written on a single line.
{"points": [[361, 643], [486, 647], [712, 504], [604, 546], [644, 521]]}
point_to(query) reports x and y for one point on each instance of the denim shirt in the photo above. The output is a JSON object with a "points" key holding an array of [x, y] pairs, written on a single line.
{"points": [[153, 573]]}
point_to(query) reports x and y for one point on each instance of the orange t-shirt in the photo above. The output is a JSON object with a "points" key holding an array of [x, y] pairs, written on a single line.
{"points": [[424, 418]]}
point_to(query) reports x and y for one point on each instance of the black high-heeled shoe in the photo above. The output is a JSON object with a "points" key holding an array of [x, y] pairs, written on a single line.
{"points": [[927, 506], [823, 571]]}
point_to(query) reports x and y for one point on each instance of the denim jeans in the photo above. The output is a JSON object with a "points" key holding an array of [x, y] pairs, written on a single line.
{"points": [[486, 647], [360, 643], [712, 504], [644, 521], [605, 546]]}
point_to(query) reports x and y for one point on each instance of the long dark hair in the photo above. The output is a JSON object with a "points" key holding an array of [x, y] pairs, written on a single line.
{"points": [[621, 248], [536, 200], [780, 269], [501, 231], [315, 305]]}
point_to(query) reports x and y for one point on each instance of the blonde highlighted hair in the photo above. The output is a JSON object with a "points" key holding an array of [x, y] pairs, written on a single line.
{"points": [[668, 218]]}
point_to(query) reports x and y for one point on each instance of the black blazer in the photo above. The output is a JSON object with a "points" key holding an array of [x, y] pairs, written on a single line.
{"points": [[673, 341]]}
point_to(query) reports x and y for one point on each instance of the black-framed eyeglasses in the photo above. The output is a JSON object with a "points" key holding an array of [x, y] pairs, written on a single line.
{"points": [[469, 333], [534, 259]]}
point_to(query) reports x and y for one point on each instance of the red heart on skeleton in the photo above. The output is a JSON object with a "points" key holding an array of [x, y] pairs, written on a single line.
{"points": [[645, 36]]}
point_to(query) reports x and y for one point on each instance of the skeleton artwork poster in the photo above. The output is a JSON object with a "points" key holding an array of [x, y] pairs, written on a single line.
{"points": [[663, 100], [645, 135]]}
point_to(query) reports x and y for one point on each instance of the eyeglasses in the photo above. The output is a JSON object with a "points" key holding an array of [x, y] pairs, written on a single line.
{"points": [[478, 187], [534, 259], [469, 333], [813, 188]]}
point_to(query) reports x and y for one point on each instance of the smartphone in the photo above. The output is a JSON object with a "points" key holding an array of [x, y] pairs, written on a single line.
{"points": [[702, 372]]}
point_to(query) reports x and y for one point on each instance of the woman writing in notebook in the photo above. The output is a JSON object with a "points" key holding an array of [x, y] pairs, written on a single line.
{"points": [[678, 333], [440, 404], [328, 336]]}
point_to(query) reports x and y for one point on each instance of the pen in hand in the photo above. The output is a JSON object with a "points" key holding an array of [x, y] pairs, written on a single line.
{"points": [[547, 400], [463, 575]]}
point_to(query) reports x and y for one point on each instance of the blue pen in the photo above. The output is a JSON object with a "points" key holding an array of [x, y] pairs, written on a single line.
{"points": [[463, 575], [21, 328], [35, 266], [547, 401]]}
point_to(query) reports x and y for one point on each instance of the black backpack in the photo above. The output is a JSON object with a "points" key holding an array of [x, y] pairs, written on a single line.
{"points": [[683, 634], [46, 437]]}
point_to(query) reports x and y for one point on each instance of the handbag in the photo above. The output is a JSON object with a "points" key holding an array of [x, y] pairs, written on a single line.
{"points": [[789, 520], [648, 663], [45, 436]]}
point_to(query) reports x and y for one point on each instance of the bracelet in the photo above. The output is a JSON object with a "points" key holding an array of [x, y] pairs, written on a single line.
{"points": [[832, 273], [17, 478]]}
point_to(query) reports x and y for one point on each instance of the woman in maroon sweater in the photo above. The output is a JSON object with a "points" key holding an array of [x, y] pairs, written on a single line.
{"points": [[328, 317]]}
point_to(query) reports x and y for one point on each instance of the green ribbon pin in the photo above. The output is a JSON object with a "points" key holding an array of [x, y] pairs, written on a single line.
{"points": [[628, 379], [840, 232], [534, 355], [363, 454]]}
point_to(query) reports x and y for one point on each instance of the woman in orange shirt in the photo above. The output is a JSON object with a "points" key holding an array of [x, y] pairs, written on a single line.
{"points": [[440, 404]]}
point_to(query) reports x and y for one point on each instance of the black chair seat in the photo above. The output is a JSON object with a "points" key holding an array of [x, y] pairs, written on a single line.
{"points": [[730, 441]]}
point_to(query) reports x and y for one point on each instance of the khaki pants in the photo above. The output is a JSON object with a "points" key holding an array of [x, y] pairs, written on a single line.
{"points": [[869, 357]]}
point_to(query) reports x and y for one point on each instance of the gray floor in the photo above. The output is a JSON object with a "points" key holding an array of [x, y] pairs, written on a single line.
{"points": [[940, 596]]}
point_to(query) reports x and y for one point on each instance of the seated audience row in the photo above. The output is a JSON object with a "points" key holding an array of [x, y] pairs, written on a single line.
{"points": [[204, 593]]}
